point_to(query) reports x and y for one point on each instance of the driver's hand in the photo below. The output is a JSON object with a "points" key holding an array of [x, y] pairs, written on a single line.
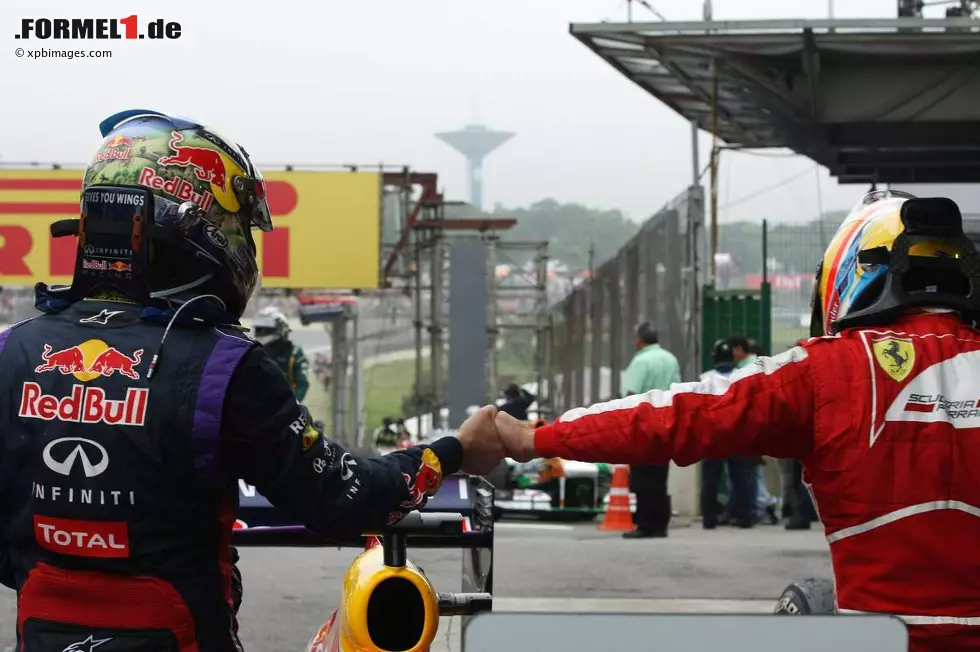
{"points": [[517, 437], [482, 448]]}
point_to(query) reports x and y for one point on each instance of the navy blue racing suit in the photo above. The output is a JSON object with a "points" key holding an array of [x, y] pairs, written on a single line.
{"points": [[118, 493]]}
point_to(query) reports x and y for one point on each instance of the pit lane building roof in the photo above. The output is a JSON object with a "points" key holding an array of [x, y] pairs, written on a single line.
{"points": [[890, 100]]}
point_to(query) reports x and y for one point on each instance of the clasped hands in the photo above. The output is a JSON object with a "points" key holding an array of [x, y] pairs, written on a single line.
{"points": [[489, 436]]}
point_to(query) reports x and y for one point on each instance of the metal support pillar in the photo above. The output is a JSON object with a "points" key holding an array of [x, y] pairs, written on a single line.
{"points": [[631, 283], [617, 342], [651, 284], [566, 353], [715, 153], [404, 212], [437, 294], [673, 329], [598, 344], [357, 383], [695, 221], [468, 329], [493, 332], [418, 323], [577, 354], [541, 339], [338, 397]]}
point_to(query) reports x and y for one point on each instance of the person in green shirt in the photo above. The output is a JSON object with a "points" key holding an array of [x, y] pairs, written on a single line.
{"points": [[271, 330], [652, 367]]}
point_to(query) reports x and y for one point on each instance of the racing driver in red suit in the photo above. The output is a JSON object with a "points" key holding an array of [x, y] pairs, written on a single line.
{"points": [[882, 406]]}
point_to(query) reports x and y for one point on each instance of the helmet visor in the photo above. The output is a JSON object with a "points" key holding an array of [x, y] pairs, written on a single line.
{"points": [[252, 196]]}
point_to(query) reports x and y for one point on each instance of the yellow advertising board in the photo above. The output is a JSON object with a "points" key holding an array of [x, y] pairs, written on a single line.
{"points": [[327, 228]]}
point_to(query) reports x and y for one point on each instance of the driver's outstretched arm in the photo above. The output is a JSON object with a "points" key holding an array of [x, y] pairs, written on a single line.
{"points": [[269, 441], [763, 409]]}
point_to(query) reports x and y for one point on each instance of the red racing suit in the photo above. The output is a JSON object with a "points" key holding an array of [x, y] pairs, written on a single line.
{"points": [[887, 424]]}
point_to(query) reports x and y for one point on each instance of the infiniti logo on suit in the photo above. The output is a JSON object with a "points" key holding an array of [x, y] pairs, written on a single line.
{"points": [[82, 451], [77, 457]]}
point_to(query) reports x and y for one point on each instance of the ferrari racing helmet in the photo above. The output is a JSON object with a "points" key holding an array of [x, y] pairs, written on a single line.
{"points": [[892, 253], [167, 211]]}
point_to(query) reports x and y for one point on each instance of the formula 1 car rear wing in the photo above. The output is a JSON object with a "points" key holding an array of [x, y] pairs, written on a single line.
{"points": [[458, 494], [437, 526]]}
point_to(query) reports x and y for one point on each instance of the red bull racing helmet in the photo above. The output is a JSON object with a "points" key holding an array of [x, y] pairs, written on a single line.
{"points": [[168, 208], [893, 253]]}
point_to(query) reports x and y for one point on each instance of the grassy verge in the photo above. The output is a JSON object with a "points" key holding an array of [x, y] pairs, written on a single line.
{"points": [[387, 385]]}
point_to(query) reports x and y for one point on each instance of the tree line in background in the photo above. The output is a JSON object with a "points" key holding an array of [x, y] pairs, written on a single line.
{"points": [[792, 248], [579, 235], [573, 230]]}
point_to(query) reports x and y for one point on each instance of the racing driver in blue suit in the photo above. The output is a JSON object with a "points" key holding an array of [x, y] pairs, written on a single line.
{"points": [[130, 408]]}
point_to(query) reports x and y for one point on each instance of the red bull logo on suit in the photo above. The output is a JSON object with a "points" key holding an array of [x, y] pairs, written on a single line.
{"points": [[87, 361], [84, 405], [426, 482]]}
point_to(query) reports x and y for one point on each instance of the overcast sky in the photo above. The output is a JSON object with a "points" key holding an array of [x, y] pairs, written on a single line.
{"points": [[368, 81]]}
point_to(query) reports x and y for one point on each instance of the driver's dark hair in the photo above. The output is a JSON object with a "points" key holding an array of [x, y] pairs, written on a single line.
{"points": [[738, 340], [647, 333]]}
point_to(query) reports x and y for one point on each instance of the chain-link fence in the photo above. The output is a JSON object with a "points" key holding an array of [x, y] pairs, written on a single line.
{"points": [[792, 253], [656, 276]]}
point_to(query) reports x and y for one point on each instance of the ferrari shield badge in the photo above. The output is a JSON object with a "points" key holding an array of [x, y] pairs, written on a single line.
{"points": [[896, 355]]}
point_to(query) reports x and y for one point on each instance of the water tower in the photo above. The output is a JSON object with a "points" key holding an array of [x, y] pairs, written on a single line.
{"points": [[475, 142]]}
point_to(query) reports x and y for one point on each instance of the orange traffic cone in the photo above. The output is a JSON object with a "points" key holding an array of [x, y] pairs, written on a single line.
{"points": [[618, 517]]}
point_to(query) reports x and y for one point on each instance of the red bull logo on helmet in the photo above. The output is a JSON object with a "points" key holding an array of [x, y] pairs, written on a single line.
{"points": [[105, 266], [176, 187], [111, 154], [207, 163], [116, 148]]}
